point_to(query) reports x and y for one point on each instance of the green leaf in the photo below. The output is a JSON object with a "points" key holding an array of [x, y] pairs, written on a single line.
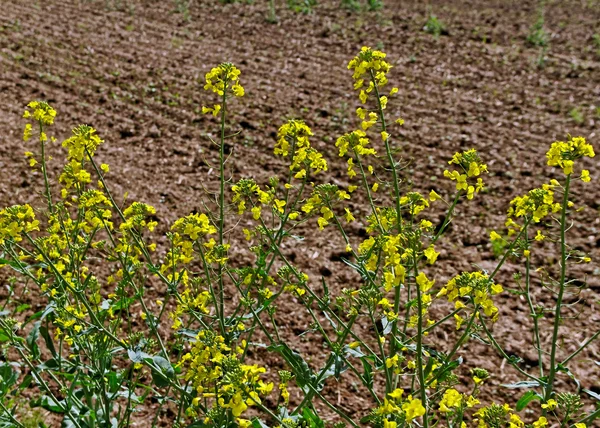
{"points": [[300, 369], [367, 375], [9, 377], [136, 355], [527, 398], [22, 307], [257, 423], [48, 403], [591, 393], [32, 338], [313, 420], [48, 340], [162, 371]]}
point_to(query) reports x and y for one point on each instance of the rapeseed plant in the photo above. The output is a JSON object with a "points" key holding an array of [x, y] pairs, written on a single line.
{"points": [[104, 351]]}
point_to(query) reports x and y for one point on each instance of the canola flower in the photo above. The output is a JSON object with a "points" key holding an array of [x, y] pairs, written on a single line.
{"points": [[564, 154]]}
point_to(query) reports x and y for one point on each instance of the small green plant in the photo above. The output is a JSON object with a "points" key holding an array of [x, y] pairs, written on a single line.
{"points": [[577, 115], [538, 37], [302, 6], [596, 40], [374, 5], [434, 26], [182, 7], [352, 5], [537, 34], [272, 15], [356, 6]]}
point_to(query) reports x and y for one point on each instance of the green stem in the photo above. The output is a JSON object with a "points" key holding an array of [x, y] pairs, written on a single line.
{"points": [[420, 373], [561, 291], [44, 172], [222, 206], [534, 315]]}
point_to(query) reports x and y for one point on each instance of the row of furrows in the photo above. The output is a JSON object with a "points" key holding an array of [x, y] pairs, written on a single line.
{"points": [[178, 119]]}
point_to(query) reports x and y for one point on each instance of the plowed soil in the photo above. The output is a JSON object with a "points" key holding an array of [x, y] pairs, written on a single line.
{"points": [[134, 70]]}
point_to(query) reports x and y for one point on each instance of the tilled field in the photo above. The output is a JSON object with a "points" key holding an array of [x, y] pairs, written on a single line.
{"points": [[134, 70]]}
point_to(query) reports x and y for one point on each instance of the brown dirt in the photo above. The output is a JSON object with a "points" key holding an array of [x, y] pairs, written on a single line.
{"points": [[132, 70]]}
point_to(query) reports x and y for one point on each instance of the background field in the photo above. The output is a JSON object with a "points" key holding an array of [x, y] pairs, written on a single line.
{"points": [[134, 70]]}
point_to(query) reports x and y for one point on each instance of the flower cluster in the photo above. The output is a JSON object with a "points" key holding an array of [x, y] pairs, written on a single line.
{"points": [[322, 200], [496, 415], [217, 375], [454, 401], [470, 166], [292, 137], [42, 112], [246, 191], [220, 79], [472, 286], [371, 63], [15, 221], [396, 411], [537, 204], [223, 77], [564, 154]]}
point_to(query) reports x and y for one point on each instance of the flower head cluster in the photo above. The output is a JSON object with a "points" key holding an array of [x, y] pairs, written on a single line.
{"points": [[564, 153], [97, 208], [15, 221], [470, 167], [221, 78], [216, 374], [356, 143], [42, 112], [496, 415], [322, 200], [476, 287], [247, 193], [84, 142], [537, 204], [294, 280], [395, 409], [139, 216], [369, 65], [415, 202], [454, 400], [292, 137]]}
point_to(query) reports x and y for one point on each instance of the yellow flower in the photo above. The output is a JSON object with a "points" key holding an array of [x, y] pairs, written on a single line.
{"points": [[495, 236], [348, 216], [238, 90], [433, 196], [300, 174], [550, 405], [389, 424], [385, 136], [431, 254], [541, 422], [424, 284], [322, 223], [452, 398], [585, 175], [256, 212], [413, 408], [375, 187], [27, 132]]}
